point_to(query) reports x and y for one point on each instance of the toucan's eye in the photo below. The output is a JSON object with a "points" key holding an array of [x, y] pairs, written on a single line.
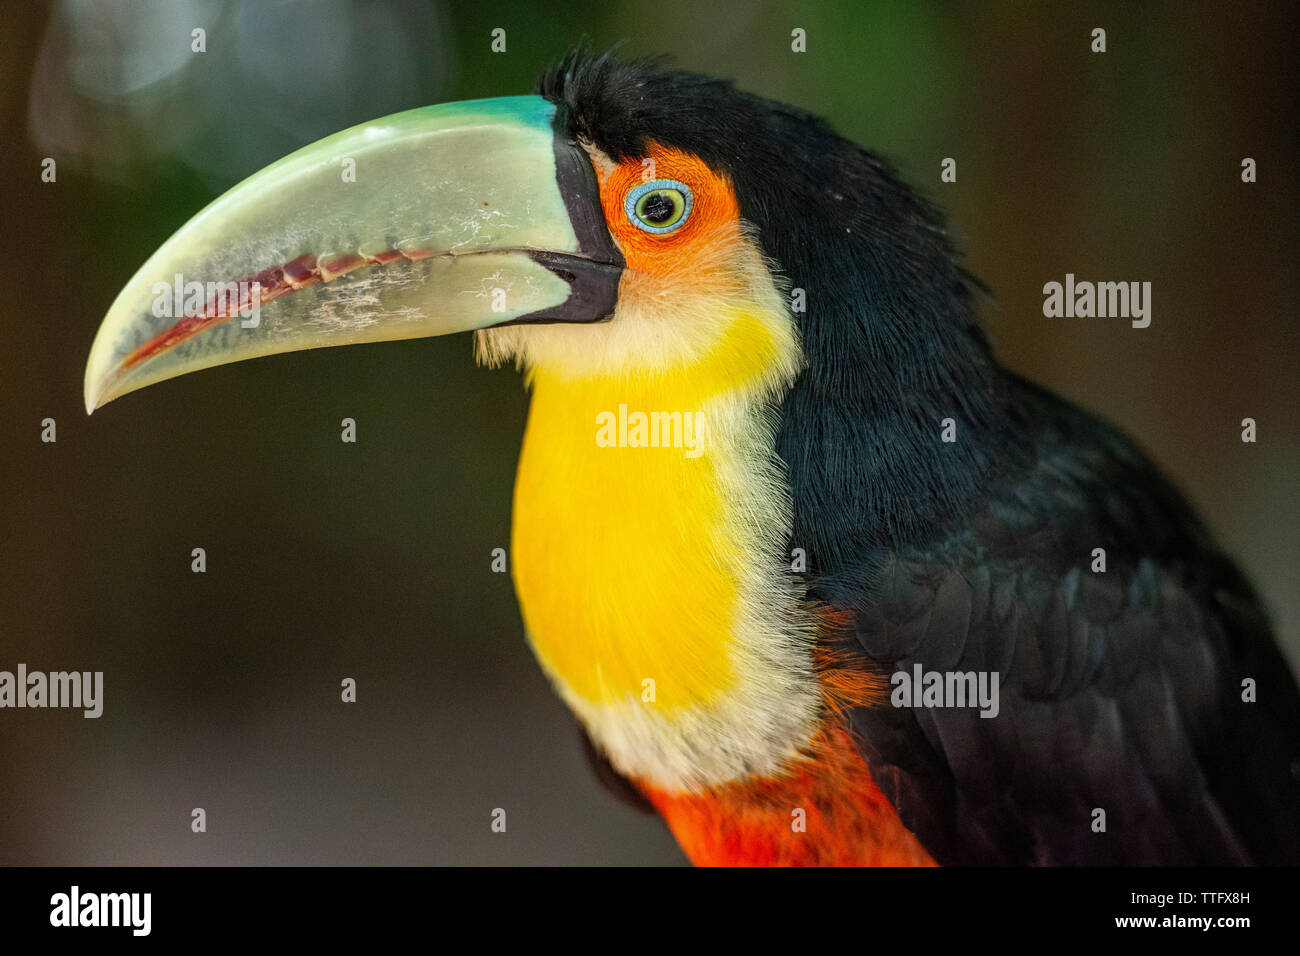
{"points": [[660, 205]]}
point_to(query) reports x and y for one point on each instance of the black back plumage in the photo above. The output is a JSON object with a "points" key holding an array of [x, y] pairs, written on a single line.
{"points": [[1120, 691]]}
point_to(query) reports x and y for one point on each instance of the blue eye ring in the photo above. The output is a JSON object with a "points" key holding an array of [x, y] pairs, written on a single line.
{"points": [[633, 201]]}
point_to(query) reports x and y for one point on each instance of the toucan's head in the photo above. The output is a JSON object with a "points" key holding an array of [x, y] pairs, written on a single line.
{"points": [[618, 221]]}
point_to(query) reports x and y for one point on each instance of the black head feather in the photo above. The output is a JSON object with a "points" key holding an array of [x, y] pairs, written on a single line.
{"points": [[892, 342]]}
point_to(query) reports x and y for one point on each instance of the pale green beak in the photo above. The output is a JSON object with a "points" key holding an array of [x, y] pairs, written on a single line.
{"points": [[443, 219]]}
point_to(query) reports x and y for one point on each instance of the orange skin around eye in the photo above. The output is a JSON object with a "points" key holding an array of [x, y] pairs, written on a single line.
{"points": [[714, 210]]}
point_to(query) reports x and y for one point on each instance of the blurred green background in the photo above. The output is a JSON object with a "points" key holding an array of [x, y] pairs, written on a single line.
{"points": [[371, 561]]}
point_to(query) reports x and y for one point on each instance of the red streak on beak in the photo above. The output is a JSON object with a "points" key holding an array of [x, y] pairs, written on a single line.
{"points": [[272, 282]]}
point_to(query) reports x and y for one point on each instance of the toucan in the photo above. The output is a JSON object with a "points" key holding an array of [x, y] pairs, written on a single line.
{"points": [[821, 581]]}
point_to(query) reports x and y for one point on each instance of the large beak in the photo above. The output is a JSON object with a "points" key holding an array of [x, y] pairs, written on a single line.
{"points": [[436, 220]]}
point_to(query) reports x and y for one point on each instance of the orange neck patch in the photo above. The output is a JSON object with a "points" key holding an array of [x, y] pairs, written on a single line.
{"points": [[826, 812]]}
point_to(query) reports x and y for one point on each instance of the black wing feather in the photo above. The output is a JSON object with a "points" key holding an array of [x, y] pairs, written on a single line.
{"points": [[1119, 690]]}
